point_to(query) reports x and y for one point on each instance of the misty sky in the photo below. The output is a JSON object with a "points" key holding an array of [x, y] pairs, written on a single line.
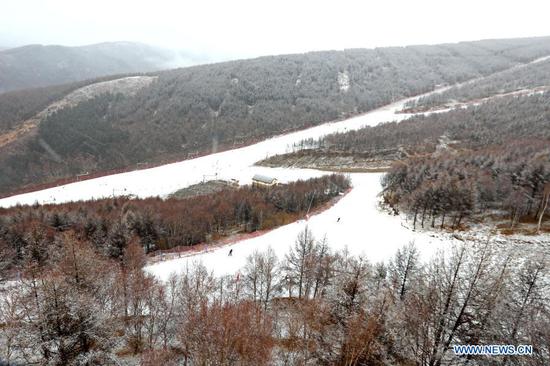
{"points": [[243, 28]]}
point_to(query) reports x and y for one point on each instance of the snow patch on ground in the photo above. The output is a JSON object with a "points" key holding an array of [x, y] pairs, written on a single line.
{"points": [[343, 81]]}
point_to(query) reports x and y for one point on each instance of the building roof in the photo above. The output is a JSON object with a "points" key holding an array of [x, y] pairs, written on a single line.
{"points": [[263, 178]]}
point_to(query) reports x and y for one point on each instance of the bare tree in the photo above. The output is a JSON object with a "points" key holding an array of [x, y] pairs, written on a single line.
{"points": [[300, 260], [403, 268]]}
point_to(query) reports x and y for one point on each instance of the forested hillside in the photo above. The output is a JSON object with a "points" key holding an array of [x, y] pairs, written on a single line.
{"points": [[196, 110], [528, 79], [449, 166], [38, 66], [491, 123], [497, 157], [21, 105]]}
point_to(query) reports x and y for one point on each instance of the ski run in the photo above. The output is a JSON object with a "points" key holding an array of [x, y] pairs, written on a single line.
{"points": [[355, 223]]}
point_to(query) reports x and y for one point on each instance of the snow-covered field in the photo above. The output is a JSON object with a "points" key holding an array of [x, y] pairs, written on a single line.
{"points": [[363, 229]]}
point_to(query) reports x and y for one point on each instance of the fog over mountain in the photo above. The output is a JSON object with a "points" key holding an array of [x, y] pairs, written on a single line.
{"points": [[38, 66], [245, 28]]}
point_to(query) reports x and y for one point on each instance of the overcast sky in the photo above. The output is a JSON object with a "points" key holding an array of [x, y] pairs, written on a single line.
{"points": [[243, 28]]}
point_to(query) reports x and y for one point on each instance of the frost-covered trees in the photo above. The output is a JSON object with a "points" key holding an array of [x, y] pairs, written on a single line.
{"points": [[300, 263], [308, 266], [227, 334], [403, 269], [87, 308], [470, 296], [62, 315], [447, 189], [262, 277], [543, 205]]}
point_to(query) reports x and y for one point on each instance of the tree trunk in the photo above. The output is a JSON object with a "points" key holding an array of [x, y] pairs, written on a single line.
{"points": [[542, 212], [437, 338], [423, 216]]}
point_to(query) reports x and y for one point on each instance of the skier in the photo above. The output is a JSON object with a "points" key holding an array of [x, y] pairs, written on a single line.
{"points": [[230, 252], [338, 220]]}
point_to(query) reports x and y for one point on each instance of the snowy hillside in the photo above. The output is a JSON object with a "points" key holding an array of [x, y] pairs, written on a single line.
{"points": [[238, 164], [232, 164], [362, 229]]}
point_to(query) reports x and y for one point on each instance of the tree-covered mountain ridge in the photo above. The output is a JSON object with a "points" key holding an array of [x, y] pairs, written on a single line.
{"points": [[200, 109], [126, 86]]}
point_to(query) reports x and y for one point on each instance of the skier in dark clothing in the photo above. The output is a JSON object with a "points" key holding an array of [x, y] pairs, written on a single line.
{"points": [[230, 252], [338, 220]]}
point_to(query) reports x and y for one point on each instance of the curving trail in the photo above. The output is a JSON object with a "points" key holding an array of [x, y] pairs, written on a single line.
{"points": [[363, 229]]}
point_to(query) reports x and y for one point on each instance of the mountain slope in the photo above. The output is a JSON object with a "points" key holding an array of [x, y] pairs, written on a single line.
{"points": [[37, 66], [490, 160], [201, 109], [523, 80]]}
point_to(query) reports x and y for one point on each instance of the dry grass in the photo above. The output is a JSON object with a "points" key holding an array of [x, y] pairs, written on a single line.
{"points": [[14, 135]]}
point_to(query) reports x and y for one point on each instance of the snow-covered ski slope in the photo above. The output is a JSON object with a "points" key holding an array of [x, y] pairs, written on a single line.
{"points": [[363, 229], [237, 164]]}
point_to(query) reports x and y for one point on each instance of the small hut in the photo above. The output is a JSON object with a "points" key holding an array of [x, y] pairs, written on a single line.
{"points": [[263, 181]]}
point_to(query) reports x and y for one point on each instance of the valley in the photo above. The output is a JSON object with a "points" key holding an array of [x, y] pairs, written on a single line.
{"points": [[357, 207], [360, 211]]}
